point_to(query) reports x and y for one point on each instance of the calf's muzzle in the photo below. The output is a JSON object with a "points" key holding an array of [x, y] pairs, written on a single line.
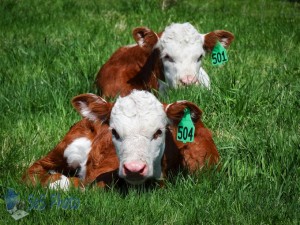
{"points": [[189, 79]]}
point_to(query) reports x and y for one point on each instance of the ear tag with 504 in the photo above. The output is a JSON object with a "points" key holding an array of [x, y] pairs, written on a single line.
{"points": [[218, 54], [186, 128]]}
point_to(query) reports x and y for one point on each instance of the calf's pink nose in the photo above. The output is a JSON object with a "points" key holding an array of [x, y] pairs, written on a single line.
{"points": [[189, 79], [135, 168]]}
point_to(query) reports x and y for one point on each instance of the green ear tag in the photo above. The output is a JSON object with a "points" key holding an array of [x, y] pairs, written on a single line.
{"points": [[186, 128], [219, 55]]}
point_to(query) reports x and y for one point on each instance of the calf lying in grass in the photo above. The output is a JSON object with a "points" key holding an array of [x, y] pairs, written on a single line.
{"points": [[168, 59], [135, 137]]}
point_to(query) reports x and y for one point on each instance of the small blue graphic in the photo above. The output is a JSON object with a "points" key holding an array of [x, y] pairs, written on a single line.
{"points": [[11, 199], [13, 204]]}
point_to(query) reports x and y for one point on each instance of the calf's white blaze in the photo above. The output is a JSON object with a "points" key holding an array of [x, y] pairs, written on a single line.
{"points": [[181, 47], [77, 154], [136, 118]]}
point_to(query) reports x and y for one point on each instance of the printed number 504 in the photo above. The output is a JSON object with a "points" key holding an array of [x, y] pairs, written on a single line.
{"points": [[184, 133]]}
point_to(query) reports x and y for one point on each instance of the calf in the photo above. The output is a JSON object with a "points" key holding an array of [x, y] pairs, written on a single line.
{"points": [[133, 138], [168, 59]]}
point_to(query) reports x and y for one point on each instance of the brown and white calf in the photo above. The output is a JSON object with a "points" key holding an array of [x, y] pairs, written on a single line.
{"points": [[133, 138], [158, 61]]}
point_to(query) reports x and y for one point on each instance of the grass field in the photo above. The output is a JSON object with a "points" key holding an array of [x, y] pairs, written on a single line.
{"points": [[50, 51]]}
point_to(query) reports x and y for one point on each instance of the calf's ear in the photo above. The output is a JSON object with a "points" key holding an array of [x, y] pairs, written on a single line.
{"points": [[92, 107], [175, 111], [145, 37], [223, 36]]}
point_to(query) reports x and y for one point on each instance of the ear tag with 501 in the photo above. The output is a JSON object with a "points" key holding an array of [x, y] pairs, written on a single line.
{"points": [[219, 55], [186, 128]]}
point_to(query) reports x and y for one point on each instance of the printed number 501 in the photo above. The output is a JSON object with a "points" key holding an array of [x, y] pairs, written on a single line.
{"points": [[218, 57]]}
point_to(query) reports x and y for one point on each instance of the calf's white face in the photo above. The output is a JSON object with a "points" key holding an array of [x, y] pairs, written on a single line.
{"points": [[181, 48], [138, 123]]}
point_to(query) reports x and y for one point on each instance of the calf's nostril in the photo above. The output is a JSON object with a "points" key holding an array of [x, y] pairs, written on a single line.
{"points": [[141, 171], [184, 81], [125, 171]]}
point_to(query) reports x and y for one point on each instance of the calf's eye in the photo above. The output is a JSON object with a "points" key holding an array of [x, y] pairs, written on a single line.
{"points": [[157, 134], [115, 134], [169, 58], [201, 56]]}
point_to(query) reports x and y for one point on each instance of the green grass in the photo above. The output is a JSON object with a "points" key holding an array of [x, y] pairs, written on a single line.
{"points": [[50, 51]]}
